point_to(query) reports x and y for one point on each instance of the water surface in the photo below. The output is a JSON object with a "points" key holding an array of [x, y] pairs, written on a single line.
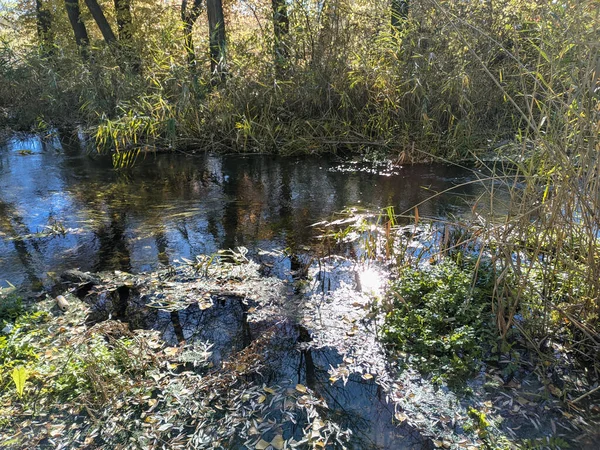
{"points": [[61, 207]]}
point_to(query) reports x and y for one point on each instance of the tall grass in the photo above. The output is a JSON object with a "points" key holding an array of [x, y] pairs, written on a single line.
{"points": [[548, 250], [541, 230], [350, 81]]}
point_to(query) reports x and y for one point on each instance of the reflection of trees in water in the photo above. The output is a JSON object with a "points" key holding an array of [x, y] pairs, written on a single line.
{"points": [[185, 206], [12, 224], [162, 244], [113, 248], [358, 404]]}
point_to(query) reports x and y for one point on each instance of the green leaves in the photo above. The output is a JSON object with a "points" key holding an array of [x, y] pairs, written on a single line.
{"points": [[440, 318], [20, 375]]}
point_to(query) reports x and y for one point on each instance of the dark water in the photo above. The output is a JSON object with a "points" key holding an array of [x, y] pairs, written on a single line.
{"points": [[89, 216]]}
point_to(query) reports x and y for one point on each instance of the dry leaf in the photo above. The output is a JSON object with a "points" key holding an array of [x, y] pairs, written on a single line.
{"points": [[400, 417], [261, 445], [278, 442]]}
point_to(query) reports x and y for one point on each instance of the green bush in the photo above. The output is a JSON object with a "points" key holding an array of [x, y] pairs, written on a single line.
{"points": [[441, 317]]}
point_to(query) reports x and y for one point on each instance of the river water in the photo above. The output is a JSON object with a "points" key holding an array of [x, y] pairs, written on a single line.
{"points": [[63, 208]]}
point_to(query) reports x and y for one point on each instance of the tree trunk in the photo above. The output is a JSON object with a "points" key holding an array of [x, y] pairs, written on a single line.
{"points": [[44, 25], [79, 30], [100, 19], [189, 18], [281, 28], [125, 30], [216, 30], [399, 14]]}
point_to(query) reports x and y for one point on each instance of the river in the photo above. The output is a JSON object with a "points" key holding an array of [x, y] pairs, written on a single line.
{"points": [[63, 208]]}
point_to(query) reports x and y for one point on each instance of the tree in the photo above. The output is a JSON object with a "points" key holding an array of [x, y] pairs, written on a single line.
{"points": [[44, 28], [217, 42], [124, 20], [189, 17], [121, 48], [100, 19], [125, 30], [79, 30]]}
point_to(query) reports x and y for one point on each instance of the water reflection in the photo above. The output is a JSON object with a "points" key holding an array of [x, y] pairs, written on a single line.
{"points": [[173, 206]]}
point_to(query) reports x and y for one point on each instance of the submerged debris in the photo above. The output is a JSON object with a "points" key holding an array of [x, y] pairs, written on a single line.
{"points": [[213, 354]]}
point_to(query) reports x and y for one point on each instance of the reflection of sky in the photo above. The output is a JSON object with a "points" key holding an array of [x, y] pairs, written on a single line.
{"points": [[171, 206]]}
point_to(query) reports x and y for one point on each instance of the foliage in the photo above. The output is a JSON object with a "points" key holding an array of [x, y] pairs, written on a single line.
{"points": [[455, 76], [11, 307], [441, 316], [19, 376], [83, 385]]}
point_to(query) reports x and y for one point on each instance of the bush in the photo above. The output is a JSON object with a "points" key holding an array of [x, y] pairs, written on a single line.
{"points": [[442, 318]]}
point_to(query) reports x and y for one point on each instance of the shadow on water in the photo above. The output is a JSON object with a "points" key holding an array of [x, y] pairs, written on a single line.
{"points": [[357, 404]]}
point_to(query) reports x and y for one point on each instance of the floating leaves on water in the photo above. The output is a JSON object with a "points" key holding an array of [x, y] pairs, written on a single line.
{"points": [[554, 390], [261, 445], [171, 351], [400, 417], [318, 424], [278, 442]]}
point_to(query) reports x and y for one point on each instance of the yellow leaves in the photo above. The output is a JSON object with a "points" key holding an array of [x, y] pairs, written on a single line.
{"points": [[205, 303], [301, 388], [352, 332], [261, 445], [400, 417], [20, 376], [317, 424], [278, 442], [554, 390], [171, 351]]}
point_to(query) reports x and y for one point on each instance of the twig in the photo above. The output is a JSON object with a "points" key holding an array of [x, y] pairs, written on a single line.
{"points": [[587, 394]]}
